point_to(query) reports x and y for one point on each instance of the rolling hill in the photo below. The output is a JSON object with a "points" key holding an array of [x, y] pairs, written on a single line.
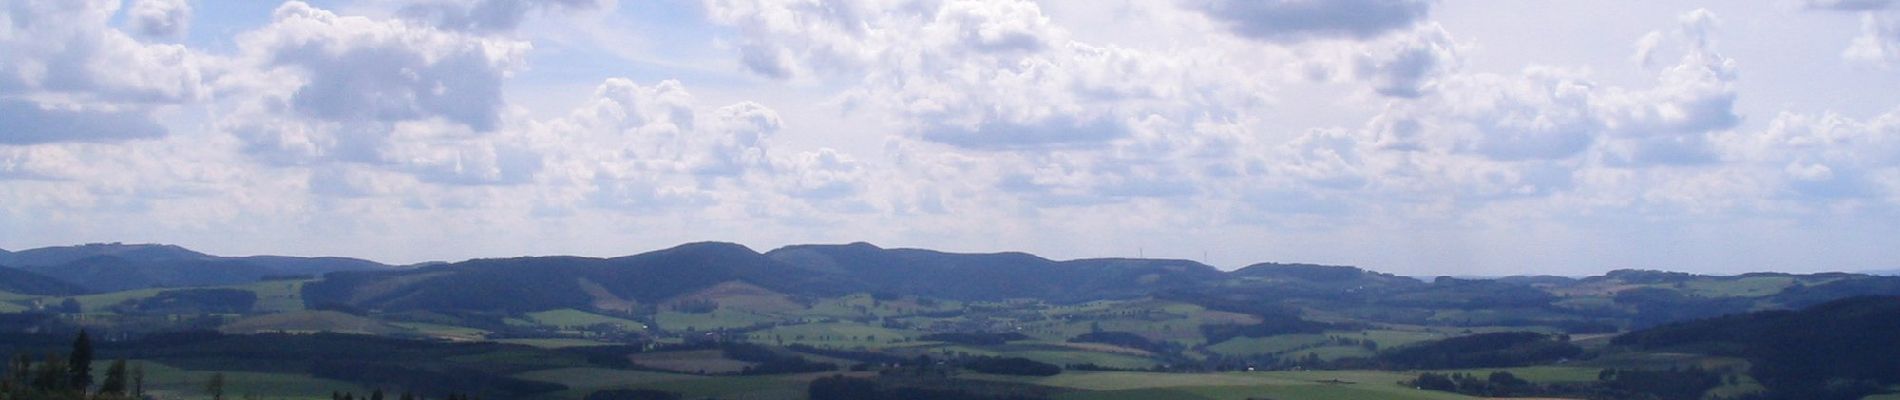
{"points": [[13, 280], [106, 267], [545, 283], [1842, 349], [994, 276]]}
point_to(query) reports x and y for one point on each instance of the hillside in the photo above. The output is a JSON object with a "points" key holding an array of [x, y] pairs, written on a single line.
{"points": [[106, 267], [546, 283], [56, 255], [1843, 349], [14, 280], [994, 276]]}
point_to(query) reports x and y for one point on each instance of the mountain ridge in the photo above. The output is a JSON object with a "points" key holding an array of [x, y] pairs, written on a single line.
{"points": [[105, 267]]}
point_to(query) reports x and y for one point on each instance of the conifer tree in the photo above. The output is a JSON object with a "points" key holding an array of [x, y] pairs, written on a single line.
{"points": [[114, 384], [80, 364], [51, 375], [215, 386], [138, 381]]}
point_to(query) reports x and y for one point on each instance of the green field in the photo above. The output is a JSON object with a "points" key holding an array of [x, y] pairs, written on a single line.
{"points": [[1754, 286], [718, 319], [310, 321], [443, 331], [1235, 386], [779, 387], [167, 382], [695, 361], [555, 343], [835, 335], [581, 381], [272, 296], [568, 317]]}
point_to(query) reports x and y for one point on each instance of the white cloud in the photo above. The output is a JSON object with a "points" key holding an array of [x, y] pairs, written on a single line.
{"points": [[160, 18], [1298, 20], [1824, 156], [68, 76], [983, 74], [1302, 132], [360, 70], [323, 88], [1852, 5], [487, 16], [1879, 40], [30, 123], [1409, 65]]}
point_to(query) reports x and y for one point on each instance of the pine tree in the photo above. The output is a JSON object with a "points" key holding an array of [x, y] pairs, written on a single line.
{"points": [[114, 385], [215, 386], [138, 381], [20, 371], [376, 395], [51, 375], [80, 363]]}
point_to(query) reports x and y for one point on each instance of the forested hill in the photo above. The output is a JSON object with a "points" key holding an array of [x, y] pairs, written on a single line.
{"points": [[18, 281], [540, 283], [1624, 299], [107, 267], [1619, 300], [993, 276], [1844, 349]]}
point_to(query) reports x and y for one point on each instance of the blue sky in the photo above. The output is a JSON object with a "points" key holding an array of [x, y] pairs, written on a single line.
{"points": [[1416, 137]]}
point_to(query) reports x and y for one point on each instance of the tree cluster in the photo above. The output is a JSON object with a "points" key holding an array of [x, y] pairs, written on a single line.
{"points": [[70, 377]]}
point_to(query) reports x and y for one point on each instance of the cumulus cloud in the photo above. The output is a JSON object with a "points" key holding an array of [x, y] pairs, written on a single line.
{"points": [[1852, 5], [30, 123], [160, 18], [1879, 40], [327, 88], [486, 16], [68, 76], [66, 47], [1477, 141], [635, 147], [1299, 20], [1409, 65], [1827, 156], [1668, 124], [980, 74], [356, 69]]}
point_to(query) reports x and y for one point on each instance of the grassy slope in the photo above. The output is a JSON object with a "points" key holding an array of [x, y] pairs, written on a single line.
{"points": [[581, 381], [168, 382], [567, 317], [1236, 386]]}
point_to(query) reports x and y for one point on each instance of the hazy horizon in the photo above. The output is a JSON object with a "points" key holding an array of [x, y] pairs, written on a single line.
{"points": [[1410, 137]]}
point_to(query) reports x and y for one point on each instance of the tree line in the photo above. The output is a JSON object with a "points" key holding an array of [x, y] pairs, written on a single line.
{"points": [[69, 376]]}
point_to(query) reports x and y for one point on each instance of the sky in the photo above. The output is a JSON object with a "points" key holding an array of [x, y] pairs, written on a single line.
{"points": [[1412, 137]]}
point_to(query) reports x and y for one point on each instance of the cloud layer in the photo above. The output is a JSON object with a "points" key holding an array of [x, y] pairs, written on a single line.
{"points": [[1375, 132]]}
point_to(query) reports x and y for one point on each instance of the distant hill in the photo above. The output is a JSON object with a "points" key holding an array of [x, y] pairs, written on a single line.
{"points": [[543, 283], [1632, 298], [1842, 349], [993, 276], [50, 256], [109, 267], [14, 280]]}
